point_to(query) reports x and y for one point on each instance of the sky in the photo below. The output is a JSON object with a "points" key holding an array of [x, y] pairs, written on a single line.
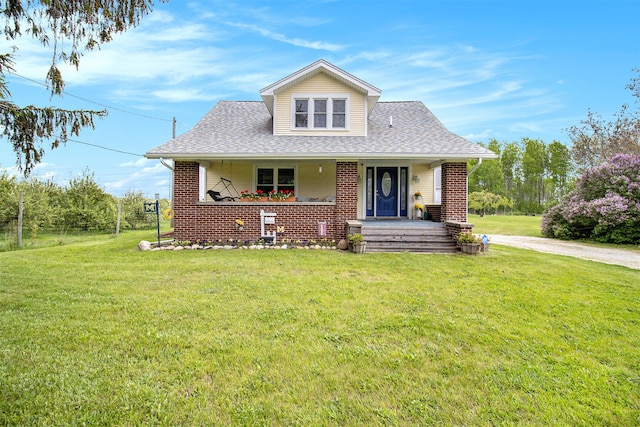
{"points": [[503, 69]]}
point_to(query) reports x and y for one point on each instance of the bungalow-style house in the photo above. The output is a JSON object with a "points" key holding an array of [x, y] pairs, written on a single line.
{"points": [[322, 134]]}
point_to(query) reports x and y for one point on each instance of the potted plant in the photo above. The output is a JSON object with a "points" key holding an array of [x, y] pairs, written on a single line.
{"points": [[248, 196], [282, 196], [356, 243], [417, 195], [418, 210], [469, 243]]}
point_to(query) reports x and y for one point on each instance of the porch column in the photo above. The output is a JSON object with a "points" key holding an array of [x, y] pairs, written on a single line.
{"points": [[186, 180], [454, 192], [346, 195]]}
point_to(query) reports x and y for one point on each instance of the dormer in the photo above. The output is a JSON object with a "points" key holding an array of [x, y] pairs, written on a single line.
{"points": [[320, 100]]}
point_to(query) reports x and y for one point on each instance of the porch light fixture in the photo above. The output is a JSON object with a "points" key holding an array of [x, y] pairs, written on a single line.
{"points": [[416, 179]]}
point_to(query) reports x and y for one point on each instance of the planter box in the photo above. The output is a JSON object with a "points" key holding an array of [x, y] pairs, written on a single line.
{"points": [[470, 248], [358, 248]]}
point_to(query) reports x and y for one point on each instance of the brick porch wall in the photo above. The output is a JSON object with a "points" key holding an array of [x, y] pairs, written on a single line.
{"points": [[454, 192], [434, 212], [185, 197], [195, 220], [346, 195]]}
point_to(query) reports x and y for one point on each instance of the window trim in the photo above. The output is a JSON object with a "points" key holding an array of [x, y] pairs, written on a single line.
{"points": [[437, 185], [275, 175], [311, 97]]}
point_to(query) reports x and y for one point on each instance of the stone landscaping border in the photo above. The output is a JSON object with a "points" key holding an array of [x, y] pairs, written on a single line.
{"points": [[145, 245]]}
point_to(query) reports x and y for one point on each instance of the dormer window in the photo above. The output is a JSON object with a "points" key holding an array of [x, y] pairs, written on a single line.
{"points": [[320, 112]]}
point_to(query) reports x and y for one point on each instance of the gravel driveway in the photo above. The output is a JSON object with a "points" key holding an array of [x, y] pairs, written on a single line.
{"points": [[625, 258]]}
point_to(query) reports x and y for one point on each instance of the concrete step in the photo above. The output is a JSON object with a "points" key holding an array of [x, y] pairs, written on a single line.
{"points": [[408, 238]]}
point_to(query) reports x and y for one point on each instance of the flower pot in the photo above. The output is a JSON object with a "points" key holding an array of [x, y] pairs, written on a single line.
{"points": [[470, 248], [358, 248]]}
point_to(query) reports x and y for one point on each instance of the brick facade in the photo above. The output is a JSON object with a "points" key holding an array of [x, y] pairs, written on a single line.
{"points": [[195, 220], [346, 195], [454, 192]]}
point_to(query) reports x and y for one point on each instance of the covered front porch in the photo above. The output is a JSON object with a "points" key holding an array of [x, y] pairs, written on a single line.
{"points": [[344, 185]]}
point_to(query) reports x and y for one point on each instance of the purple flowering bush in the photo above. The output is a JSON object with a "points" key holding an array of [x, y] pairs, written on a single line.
{"points": [[605, 206]]}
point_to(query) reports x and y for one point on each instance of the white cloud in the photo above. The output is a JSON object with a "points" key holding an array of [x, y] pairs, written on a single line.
{"points": [[486, 134], [319, 45], [141, 162], [146, 177]]}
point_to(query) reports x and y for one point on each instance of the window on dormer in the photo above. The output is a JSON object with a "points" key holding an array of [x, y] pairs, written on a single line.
{"points": [[339, 113], [302, 113], [320, 112]]}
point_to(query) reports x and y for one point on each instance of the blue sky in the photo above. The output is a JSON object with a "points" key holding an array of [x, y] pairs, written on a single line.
{"points": [[487, 69]]}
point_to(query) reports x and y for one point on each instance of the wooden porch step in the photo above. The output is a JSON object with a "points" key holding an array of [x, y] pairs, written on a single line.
{"points": [[423, 238]]}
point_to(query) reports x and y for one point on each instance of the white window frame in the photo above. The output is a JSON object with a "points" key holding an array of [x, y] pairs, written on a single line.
{"points": [[311, 97], [275, 175], [437, 186]]}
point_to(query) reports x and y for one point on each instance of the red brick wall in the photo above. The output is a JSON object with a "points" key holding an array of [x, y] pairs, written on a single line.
{"points": [[455, 228], [210, 221], [346, 195], [185, 197], [454, 192], [434, 212]]}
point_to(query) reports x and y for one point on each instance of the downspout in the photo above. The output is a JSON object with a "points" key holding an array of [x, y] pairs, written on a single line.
{"points": [[474, 168], [469, 173], [168, 166]]}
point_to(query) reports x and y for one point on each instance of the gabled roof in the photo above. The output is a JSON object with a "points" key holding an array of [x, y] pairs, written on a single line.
{"points": [[320, 66], [244, 130]]}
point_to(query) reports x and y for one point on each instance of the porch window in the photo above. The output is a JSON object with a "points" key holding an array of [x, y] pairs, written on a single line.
{"points": [[437, 185], [320, 112], [278, 179]]}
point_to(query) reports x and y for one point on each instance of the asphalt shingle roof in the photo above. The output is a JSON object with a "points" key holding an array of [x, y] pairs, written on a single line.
{"points": [[243, 129]]}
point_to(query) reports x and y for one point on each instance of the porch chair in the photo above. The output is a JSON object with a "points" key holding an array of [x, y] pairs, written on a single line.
{"points": [[215, 195], [228, 187]]}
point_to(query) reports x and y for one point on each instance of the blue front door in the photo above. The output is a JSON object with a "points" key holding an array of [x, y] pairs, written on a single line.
{"points": [[386, 191]]}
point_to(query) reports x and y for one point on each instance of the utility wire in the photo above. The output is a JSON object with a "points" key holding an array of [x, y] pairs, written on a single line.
{"points": [[102, 105], [93, 102], [105, 148]]}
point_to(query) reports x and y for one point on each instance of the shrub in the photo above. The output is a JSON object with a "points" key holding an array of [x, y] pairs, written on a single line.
{"points": [[605, 205]]}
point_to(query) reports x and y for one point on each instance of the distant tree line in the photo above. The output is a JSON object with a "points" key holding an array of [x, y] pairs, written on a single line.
{"points": [[527, 177], [81, 205], [531, 176]]}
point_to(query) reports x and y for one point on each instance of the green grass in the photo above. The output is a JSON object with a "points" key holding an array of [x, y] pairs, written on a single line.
{"points": [[98, 333], [45, 239], [511, 225]]}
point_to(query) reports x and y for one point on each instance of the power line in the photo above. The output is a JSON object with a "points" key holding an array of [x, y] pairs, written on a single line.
{"points": [[105, 148], [94, 102]]}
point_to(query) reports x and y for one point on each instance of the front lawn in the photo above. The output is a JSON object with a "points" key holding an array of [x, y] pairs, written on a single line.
{"points": [[102, 334], [510, 225]]}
